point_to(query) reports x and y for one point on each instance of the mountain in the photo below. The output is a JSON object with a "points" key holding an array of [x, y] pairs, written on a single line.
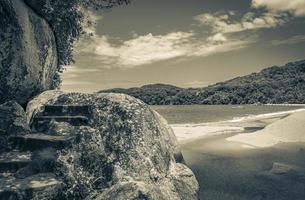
{"points": [[153, 94], [276, 85]]}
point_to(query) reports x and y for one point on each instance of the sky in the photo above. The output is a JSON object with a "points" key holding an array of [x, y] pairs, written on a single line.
{"points": [[188, 43]]}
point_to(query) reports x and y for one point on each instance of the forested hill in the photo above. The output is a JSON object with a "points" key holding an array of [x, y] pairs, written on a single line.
{"points": [[285, 84]]}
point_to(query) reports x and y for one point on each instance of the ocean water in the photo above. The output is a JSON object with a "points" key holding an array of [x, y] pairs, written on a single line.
{"points": [[196, 114]]}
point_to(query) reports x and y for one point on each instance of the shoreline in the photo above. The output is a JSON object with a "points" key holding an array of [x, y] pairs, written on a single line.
{"points": [[232, 169], [187, 133], [286, 130]]}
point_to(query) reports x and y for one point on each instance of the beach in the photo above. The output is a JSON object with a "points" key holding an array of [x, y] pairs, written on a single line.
{"points": [[247, 124], [251, 158]]}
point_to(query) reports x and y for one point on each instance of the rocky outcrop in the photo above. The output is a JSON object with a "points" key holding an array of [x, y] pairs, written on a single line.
{"points": [[107, 146], [28, 57], [283, 172], [12, 122]]}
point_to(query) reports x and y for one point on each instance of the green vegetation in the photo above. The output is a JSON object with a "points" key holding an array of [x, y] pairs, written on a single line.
{"points": [[275, 85]]}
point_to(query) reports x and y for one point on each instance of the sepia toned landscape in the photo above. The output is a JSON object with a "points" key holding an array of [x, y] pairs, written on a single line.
{"points": [[152, 100]]}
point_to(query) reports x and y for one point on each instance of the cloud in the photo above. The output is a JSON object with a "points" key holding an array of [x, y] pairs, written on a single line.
{"points": [[147, 49], [223, 23], [274, 15], [75, 82], [195, 84], [75, 70], [219, 37], [211, 49], [106, 52], [292, 40], [294, 7], [229, 24]]}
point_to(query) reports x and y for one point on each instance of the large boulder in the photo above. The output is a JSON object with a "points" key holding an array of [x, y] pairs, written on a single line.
{"points": [[12, 122], [28, 56], [127, 151]]}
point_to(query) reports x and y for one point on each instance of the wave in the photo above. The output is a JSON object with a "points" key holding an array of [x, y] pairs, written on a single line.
{"points": [[267, 115]]}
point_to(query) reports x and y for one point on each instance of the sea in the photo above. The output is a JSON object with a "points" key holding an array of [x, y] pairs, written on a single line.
{"points": [[198, 121]]}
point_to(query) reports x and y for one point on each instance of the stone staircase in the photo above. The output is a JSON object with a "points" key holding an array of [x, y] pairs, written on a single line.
{"points": [[37, 141], [25, 148], [76, 115], [12, 161]]}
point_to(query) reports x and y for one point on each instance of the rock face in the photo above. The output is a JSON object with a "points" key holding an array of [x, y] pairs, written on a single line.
{"points": [[123, 151], [12, 122], [28, 57]]}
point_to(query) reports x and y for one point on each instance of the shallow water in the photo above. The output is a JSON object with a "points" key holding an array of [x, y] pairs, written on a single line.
{"points": [[225, 170]]}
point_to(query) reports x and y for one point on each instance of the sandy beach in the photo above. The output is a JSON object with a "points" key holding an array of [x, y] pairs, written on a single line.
{"points": [[251, 164], [288, 129], [189, 132]]}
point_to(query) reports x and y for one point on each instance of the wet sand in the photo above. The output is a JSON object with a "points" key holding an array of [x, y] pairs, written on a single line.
{"points": [[288, 129], [229, 170]]}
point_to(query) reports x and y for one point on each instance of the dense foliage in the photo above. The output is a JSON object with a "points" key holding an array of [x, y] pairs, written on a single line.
{"points": [[152, 94], [67, 19], [273, 85]]}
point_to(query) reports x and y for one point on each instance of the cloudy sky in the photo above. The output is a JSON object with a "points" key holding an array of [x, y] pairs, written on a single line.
{"points": [[188, 43]]}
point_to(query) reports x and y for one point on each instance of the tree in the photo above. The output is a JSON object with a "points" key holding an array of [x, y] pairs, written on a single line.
{"points": [[67, 18]]}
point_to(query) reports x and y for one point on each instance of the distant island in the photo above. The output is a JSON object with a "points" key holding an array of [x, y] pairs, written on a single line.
{"points": [[273, 85]]}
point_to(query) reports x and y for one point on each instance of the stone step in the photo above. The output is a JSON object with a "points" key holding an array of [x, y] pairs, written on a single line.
{"points": [[42, 121], [12, 188], [13, 161], [38, 141], [68, 110]]}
